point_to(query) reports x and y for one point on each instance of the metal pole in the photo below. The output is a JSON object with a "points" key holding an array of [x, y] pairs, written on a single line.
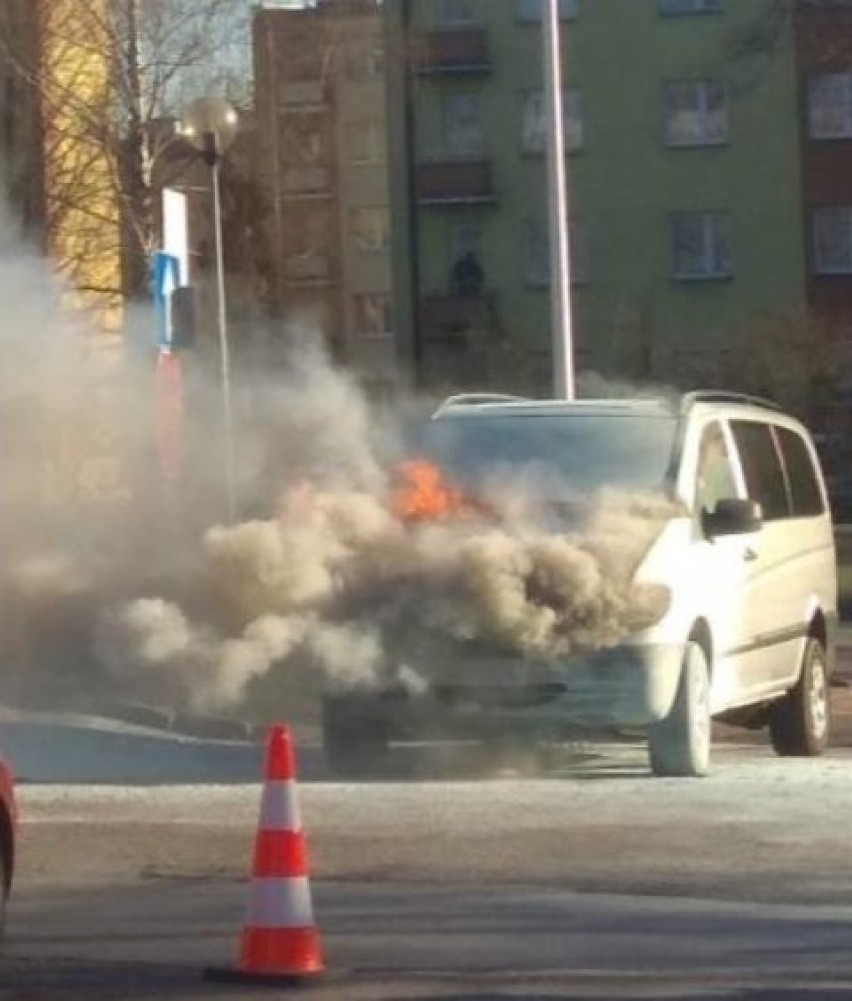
{"points": [[560, 263], [224, 350]]}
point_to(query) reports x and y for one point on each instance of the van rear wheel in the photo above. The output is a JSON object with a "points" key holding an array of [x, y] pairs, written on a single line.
{"points": [[800, 723], [679, 745]]}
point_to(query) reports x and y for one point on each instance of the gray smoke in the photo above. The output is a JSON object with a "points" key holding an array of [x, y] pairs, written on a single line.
{"points": [[337, 581], [112, 583]]}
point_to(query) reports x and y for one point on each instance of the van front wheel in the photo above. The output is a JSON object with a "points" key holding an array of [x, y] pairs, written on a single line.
{"points": [[356, 745], [799, 723], [679, 745]]}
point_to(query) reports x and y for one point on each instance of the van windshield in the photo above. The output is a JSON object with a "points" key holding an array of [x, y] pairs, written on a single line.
{"points": [[584, 452]]}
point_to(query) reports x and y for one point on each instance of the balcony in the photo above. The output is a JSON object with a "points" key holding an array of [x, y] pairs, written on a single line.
{"points": [[308, 269], [451, 317], [454, 182], [454, 50], [306, 182]]}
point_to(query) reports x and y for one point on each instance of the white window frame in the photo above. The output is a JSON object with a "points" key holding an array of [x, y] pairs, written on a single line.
{"points": [[839, 216], [475, 146], [701, 131], [715, 226], [529, 11], [820, 85], [379, 304], [673, 8], [535, 247], [369, 226], [534, 121]]}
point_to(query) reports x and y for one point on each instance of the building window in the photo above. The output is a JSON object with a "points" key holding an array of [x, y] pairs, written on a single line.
{"points": [[304, 57], [306, 139], [370, 226], [366, 142], [701, 245], [530, 10], [534, 120], [695, 113], [464, 134], [535, 247], [830, 106], [365, 62], [833, 240], [689, 6], [465, 238], [457, 12], [373, 315]]}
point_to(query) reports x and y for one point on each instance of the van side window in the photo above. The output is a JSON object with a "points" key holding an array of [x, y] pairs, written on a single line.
{"points": [[804, 484], [715, 477], [762, 468]]}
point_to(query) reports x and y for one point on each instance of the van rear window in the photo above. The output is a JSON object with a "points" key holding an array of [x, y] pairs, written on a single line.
{"points": [[802, 476]]}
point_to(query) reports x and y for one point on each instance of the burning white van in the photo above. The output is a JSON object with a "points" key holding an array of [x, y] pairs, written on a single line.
{"points": [[725, 606]]}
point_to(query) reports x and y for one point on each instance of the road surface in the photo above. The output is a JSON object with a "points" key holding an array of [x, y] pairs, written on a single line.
{"points": [[594, 880]]}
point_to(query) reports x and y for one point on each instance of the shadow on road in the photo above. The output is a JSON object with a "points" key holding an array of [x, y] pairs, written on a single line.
{"points": [[648, 991]]}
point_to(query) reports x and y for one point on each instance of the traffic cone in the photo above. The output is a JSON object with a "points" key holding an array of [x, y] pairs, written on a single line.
{"points": [[280, 943]]}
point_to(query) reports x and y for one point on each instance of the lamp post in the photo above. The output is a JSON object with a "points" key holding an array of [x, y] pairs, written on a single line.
{"points": [[560, 265], [210, 125]]}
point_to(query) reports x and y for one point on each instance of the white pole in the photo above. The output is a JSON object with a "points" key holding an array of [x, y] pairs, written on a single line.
{"points": [[224, 349], [560, 265]]}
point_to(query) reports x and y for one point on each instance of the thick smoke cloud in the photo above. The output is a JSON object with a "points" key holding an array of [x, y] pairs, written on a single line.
{"points": [[109, 589], [336, 580]]}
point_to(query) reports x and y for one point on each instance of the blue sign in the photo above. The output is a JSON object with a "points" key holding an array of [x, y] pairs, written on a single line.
{"points": [[165, 279]]}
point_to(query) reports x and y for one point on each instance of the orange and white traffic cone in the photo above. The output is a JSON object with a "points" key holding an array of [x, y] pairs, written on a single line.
{"points": [[280, 942]]}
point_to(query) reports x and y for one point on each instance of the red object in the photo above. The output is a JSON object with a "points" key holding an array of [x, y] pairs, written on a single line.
{"points": [[8, 824], [280, 941], [169, 413]]}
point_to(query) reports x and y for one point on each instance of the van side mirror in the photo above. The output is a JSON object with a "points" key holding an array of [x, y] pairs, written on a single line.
{"points": [[732, 516]]}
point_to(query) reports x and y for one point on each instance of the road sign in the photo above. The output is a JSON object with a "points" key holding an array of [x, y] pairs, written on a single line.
{"points": [[166, 278]]}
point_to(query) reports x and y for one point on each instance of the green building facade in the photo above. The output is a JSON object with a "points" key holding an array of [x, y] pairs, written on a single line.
{"points": [[684, 186]]}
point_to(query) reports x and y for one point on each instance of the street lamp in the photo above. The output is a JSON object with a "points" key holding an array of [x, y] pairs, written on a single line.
{"points": [[210, 124], [560, 264]]}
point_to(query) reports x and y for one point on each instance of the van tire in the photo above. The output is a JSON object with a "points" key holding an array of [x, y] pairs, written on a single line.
{"points": [[355, 745], [800, 723], [679, 745]]}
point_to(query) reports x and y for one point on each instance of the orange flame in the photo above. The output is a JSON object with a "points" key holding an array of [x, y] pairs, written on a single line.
{"points": [[423, 494]]}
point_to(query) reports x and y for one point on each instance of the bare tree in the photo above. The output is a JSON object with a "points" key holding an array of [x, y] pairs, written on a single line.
{"points": [[107, 79]]}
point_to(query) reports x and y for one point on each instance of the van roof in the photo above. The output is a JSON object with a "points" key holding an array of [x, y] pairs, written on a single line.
{"points": [[671, 406], [536, 408]]}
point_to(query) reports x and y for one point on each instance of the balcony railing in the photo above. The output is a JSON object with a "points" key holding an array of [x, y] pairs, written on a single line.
{"points": [[445, 317], [454, 182], [454, 50]]}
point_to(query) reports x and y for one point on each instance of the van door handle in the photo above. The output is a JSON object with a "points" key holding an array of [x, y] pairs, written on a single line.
{"points": [[749, 555]]}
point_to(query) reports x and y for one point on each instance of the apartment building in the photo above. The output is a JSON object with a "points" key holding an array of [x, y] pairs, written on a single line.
{"points": [[687, 222], [322, 158], [54, 69], [824, 61], [823, 34]]}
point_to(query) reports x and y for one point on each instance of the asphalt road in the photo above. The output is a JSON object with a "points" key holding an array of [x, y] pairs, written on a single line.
{"points": [[594, 880]]}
